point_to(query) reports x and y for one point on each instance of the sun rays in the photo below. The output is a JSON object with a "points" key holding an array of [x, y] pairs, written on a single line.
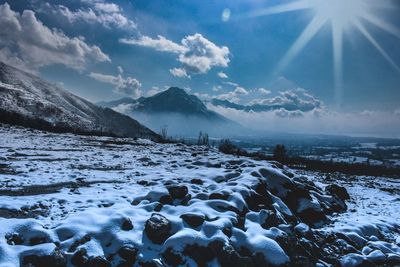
{"points": [[341, 15]]}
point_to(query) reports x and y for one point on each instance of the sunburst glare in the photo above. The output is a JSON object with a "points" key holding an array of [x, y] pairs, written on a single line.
{"points": [[341, 15]]}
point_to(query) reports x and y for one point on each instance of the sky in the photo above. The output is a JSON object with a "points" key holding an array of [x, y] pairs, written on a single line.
{"points": [[338, 58]]}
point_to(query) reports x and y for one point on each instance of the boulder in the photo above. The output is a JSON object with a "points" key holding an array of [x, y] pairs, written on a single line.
{"points": [[158, 228]]}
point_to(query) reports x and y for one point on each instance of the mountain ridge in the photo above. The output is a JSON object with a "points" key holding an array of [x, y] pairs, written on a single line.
{"points": [[167, 108], [30, 101]]}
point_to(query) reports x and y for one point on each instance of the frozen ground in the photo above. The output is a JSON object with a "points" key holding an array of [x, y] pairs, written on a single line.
{"points": [[68, 200]]}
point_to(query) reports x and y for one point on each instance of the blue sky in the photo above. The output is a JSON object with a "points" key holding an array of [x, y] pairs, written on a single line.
{"points": [[137, 48]]}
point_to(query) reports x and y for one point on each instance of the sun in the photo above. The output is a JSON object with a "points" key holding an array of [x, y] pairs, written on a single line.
{"points": [[342, 15], [340, 12]]}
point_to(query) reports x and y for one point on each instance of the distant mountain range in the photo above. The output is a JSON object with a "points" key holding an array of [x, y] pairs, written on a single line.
{"points": [[304, 106], [176, 110], [28, 100]]}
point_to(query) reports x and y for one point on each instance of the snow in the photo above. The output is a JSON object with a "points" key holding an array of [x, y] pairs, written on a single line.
{"points": [[58, 189]]}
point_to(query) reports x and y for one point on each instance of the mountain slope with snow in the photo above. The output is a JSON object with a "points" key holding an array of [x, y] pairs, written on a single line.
{"points": [[28, 100], [180, 112]]}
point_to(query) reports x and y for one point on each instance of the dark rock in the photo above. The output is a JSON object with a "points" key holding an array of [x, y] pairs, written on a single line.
{"points": [[86, 238], [178, 192], [338, 191], [201, 255], [166, 200], [271, 219], [127, 224], [98, 261], [158, 228], [229, 257], [218, 196], [196, 181], [257, 202], [193, 220], [38, 240], [172, 257], [227, 231], [159, 207], [128, 253], [80, 258], [56, 259], [14, 239], [153, 263]]}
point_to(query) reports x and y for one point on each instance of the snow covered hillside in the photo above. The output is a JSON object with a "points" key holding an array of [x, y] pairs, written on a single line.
{"points": [[70, 200], [30, 101]]}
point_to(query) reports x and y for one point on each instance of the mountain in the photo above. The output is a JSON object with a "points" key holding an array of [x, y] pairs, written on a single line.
{"points": [[176, 110], [290, 106], [28, 100]]}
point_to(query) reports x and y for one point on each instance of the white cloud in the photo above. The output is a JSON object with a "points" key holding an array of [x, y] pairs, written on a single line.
{"points": [[231, 84], [160, 44], [291, 100], [154, 90], [27, 43], [179, 72], [196, 53], [124, 108], [397, 112], [264, 91], [233, 96], [120, 70], [126, 86], [108, 15], [217, 88], [318, 121], [222, 75]]}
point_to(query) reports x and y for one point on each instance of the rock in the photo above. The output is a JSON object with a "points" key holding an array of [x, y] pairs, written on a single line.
{"points": [[172, 257], [201, 255], [229, 257], [302, 229], [193, 220], [270, 219], [38, 240], [158, 228], [377, 257], [80, 258], [178, 192], [166, 200], [257, 202], [128, 253], [338, 191], [56, 259], [227, 231], [14, 239], [98, 261], [196, 181], [152, 263], [355, 260], [393, 259], [218, 196], [127, 224]]}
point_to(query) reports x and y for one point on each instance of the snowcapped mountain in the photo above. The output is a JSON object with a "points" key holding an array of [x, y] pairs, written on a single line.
{"points": [[28, 100], [181, 113]]}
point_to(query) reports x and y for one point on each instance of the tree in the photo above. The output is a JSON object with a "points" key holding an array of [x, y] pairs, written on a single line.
{"points": [[164, 133], [203, 139], [280, 153]]}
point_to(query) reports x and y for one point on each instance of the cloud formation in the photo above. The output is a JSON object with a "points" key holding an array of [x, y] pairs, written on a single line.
{"points": [[319, 121], [222, 75], [28, 44], [233, 96], [179, 72], [196, 53], [126, 86], [109, 15]]}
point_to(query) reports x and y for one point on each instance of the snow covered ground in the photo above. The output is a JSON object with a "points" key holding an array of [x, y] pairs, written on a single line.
{"points": [[69, 200]]}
